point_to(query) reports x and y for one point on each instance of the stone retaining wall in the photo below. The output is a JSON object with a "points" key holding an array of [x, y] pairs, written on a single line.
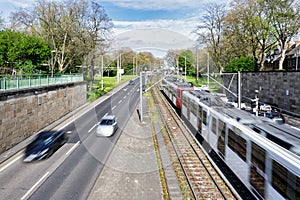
{"points": [[281, 88], [24, 112]]}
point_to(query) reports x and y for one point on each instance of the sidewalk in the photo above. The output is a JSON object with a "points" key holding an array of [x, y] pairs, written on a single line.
{"points": [[131, 172]]}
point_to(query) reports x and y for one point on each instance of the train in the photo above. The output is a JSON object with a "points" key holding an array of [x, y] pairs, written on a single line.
{"points": [[174, 87], [263, 155]]}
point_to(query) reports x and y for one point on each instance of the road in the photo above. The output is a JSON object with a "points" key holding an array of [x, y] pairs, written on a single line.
{"points": [[72, 170]]}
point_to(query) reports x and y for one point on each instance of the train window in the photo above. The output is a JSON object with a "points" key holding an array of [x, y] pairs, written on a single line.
{"points": [[285, 182], [221, 139], [237, 144], [204, 117], [214, 125], [258, 156]]}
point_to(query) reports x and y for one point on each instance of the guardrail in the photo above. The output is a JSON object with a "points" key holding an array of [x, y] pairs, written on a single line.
{"points": [[37, 81]]}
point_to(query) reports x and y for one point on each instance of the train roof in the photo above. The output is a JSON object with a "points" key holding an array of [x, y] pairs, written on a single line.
{"points": [[284, 135], [209, 99], [177, 82]]}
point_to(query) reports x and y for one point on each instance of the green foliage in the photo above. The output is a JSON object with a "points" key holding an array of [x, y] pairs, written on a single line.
{"points": [[109, 83], [186, 59], [21, 51], [241, 64]]}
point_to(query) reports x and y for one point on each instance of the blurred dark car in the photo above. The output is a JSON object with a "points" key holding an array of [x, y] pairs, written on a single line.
{"points": [[131, 82], [276, 117], [44, 145]]}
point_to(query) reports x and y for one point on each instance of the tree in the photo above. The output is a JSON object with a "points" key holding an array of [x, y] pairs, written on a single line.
{"points": [[1, 21], [185, 61], [241, 64], [73, 29], [248, 30], [285, 20], [22, 51], [210, 32]]}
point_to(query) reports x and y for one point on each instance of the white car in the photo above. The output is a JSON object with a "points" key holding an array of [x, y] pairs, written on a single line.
{"points": [[107, 126]]}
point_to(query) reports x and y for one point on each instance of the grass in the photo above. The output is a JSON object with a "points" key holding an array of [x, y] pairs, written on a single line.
{"points": [[109, 83]]}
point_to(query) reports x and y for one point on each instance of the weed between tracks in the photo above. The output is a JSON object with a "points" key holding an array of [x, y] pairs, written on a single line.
{"points": [[184, 187]]}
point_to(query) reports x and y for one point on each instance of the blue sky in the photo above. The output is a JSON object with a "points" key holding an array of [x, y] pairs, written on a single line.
{"points": [[178, 15], [175, 16]]}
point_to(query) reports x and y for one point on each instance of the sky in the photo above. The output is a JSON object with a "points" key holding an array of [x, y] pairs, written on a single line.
{"points": [[139, 24]]}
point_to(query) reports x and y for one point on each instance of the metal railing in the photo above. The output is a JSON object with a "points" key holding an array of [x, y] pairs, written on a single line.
{"points": [[37, 81]]}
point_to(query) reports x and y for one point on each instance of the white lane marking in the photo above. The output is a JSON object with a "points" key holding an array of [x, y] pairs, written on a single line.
{"points": [[113, 107], [73, 147], [124, 97], [35, 185], [9, 164], [93, 127], [120, 102], [105, 115]]}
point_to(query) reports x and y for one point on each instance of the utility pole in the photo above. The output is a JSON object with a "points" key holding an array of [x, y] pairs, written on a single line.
{"points": [[141, 96], [102, 72], [207, 69], [197, 66], [185, 68]]}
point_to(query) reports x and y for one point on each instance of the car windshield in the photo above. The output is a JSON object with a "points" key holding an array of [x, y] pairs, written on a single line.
{"points": [[40, 141], [106, 122]]}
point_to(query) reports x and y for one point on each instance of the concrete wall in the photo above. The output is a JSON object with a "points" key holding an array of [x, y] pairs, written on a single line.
{"points": [[24, 112], [281, 88]]}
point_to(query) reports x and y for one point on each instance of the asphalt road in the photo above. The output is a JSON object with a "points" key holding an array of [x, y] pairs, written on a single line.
{"points": [[72, 170]]}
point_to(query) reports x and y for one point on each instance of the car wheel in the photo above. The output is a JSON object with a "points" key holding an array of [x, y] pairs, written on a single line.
{"points": [[49, 153]]}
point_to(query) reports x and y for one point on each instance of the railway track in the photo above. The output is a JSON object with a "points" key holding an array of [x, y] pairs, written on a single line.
{"points": [[198, 176]]}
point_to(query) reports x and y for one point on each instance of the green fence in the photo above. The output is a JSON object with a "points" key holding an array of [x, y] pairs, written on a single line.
{"points": [[37, 81]]}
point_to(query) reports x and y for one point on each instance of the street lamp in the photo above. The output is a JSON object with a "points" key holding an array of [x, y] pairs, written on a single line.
{"points": [[52, 62], [297, 53], [207, 69], [102, 72], [197, 66], [185, 68]]}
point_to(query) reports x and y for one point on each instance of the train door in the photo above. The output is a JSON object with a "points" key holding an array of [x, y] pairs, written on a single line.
{"points": [[213, 132], [199, 121], [178, 97], [193, 114], [258, 168], [205, 124], [173, 95], [185, 107], [236, 153], [221, 138]]}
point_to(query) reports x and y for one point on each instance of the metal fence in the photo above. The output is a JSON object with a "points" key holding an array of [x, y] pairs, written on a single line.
{"points": [[37, 81]]}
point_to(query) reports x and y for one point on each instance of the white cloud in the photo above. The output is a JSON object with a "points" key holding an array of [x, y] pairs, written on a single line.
{"points": [[184, 27], [155, 40], [161, 4]]}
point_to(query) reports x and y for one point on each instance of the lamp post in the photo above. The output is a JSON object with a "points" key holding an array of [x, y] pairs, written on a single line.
{"points": [[197, 66], [185, 68], [52, 62], [297, 53], [102, 72], [207, 69]]}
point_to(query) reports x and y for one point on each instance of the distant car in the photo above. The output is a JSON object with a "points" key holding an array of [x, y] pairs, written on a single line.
{"points": [[131, 82], [235, 104], [276, 117], [107, 126], [44, 145]]}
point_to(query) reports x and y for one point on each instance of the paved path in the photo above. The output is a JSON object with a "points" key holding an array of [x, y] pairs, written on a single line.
{"points": [[131, 172]]}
